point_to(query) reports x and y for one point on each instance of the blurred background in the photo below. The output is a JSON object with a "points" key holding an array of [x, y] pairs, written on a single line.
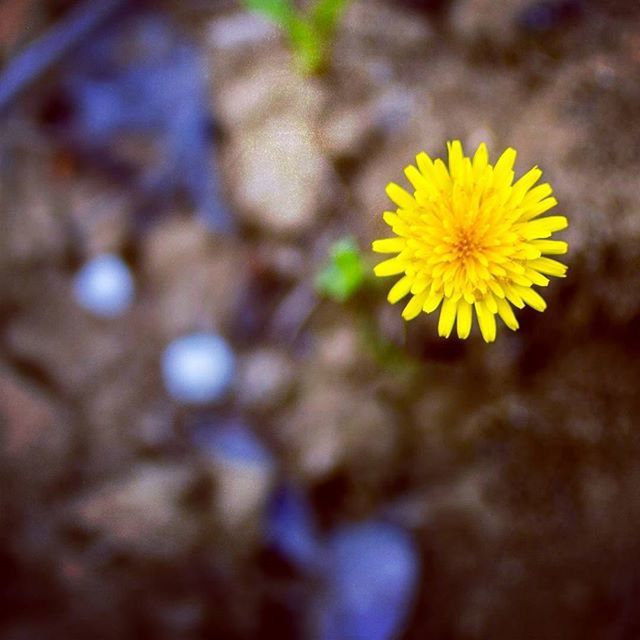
{"points": [[212, 424]]}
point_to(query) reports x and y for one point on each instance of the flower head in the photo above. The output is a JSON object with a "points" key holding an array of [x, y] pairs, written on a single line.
{"points": [[471, 238]]}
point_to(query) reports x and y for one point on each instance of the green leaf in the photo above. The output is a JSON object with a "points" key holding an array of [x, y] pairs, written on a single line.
{"points": [[281, 12], [345, 272]]}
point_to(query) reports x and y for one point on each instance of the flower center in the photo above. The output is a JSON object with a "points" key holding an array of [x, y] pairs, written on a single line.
{"points": [[466, 244]]}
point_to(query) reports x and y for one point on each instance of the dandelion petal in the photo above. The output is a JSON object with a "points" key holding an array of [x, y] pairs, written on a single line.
{"points": [[398, 195], [399, 290], [486, 320], [464, 318], [447, 317]]}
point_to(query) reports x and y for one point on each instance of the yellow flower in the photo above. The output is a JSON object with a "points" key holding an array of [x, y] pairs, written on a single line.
{"points": [[470, 238]]}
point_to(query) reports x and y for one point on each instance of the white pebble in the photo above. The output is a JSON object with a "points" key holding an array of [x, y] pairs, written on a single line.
{"points": [[198, 368], [104, 286]]}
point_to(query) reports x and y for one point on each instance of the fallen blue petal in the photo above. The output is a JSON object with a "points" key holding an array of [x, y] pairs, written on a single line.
{"points": [[372, 574], [198, 368], [234, 442], [104, 286], [290, 527]]}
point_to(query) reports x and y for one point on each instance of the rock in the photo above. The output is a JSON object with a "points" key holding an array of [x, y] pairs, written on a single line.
{"points": [[265, 380], [104, 286], [380, 26], [286, 261], [36, 437], [279, 178], [238, 31], [172, 244], [241, 491], [345, 132], [260, 91], [30, 224], [244, 472], [410, 124], [70, 348], [126, 414], [195, 277], [475, 20], [153, 428], [335, 425], [198, 368], [282, 181], [340, 349], [100, 215], [144, 513]]}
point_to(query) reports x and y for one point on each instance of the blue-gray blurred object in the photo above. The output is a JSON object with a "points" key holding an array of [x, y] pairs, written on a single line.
{"points": [[540, 18], [104, 286], [198, 368], [141, 77], [128, 78], [234, 442], [291, 529], [50, 48], [372, 574], [368, 573]]}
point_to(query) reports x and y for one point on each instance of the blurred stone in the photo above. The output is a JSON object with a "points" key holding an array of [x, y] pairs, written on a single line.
{"points": [[345, 133], [58, 337], [340, 349], [385, 26], [144, 513], [104, 286], [265, 379], [286, 261], [334, 424], [243, 471], [100, 215], [198, 368], [474, 20], [238, 31], [196, 278], [282, 181], [153, 430], [393, 110], [266, 90], [36, 436], [172, 244], [241, 493], [124, 415], [30, 226]]}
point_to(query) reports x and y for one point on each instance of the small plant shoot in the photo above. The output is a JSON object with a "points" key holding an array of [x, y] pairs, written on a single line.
{"points": [[310, 33], [345, 272]]}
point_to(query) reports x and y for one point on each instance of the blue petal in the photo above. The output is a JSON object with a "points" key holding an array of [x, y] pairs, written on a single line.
{"points": [[198, 368], [233, 442], [372, 577], [104, 286], [290, 527]]}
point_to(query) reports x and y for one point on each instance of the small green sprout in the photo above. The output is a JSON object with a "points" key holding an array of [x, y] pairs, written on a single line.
{"points": [[345, 272], [310, 33]]}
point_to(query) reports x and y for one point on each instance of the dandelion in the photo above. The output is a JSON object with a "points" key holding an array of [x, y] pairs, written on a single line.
{"points": [[469, 238]]}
